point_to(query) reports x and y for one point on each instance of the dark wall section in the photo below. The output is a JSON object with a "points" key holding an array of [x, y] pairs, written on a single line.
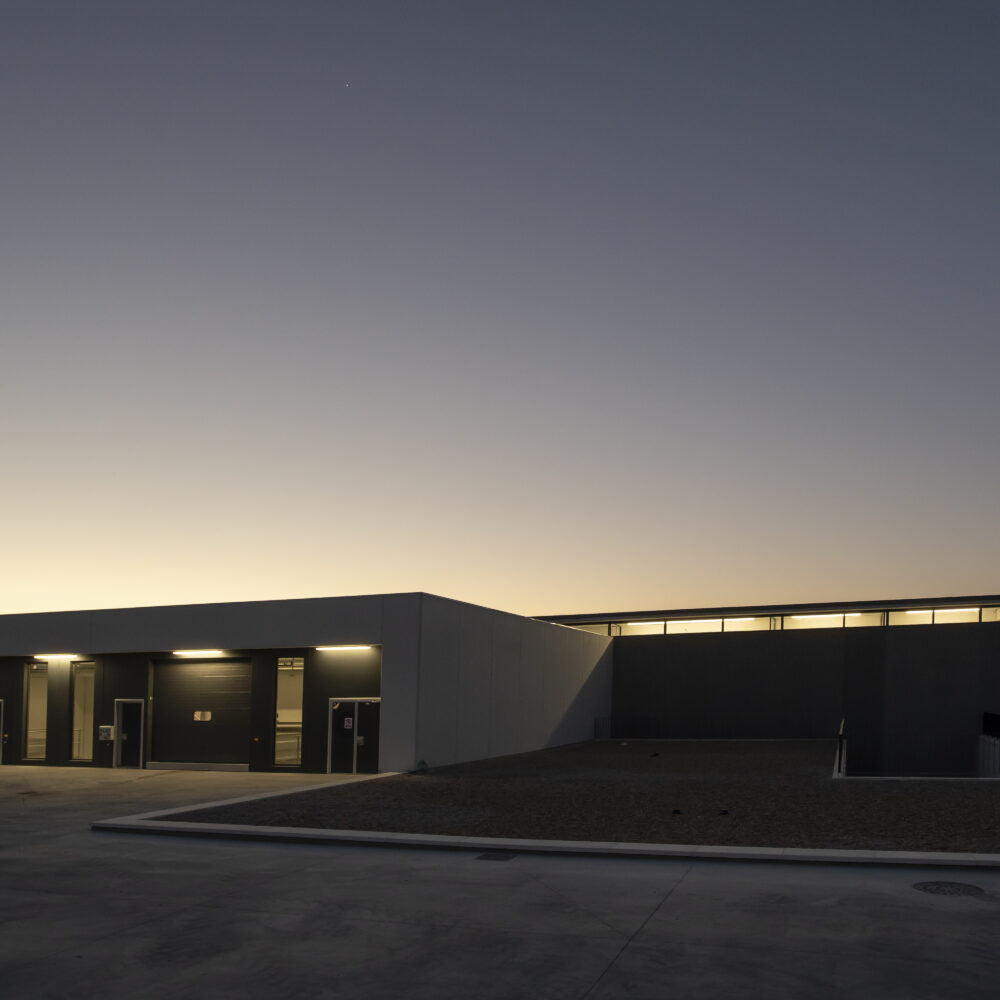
{"points": [[938, 686], [864, 698], [58, 713], [335, 674], [263, 683], [913, 697], [752, 685], [122, 675], [12, 695]]}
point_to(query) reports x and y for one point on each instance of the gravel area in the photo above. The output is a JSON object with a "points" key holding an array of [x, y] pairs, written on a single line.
{"points": [[748, 793]]}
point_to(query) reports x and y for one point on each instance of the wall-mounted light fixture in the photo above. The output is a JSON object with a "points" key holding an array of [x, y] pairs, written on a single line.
{"points": [[197, 652], [339, 649], [56, 656]]}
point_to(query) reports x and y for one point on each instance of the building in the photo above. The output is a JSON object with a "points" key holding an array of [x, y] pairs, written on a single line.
{"points": [[404, 681], [378, 683]]}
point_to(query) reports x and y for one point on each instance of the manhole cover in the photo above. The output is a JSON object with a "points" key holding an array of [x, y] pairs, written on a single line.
{"points": [[949, 888], [495, 856]]}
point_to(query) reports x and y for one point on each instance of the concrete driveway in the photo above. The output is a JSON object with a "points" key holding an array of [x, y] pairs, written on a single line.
{"points": [[89, 914]]}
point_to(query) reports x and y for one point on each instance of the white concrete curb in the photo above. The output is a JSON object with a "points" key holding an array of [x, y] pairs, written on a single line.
{"points": [[149, 823]]}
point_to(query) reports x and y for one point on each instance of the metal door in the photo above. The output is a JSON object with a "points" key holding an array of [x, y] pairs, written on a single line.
{"points": [[352, 736], [130, 732]]}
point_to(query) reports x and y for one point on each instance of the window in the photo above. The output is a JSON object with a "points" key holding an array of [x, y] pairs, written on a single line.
{"points": [[863, 619], [288, 712], [952, 616], [642, 628], [685, 626], [36, 705], [82, 693], [835, 620], [746, 624], [922, 617]]}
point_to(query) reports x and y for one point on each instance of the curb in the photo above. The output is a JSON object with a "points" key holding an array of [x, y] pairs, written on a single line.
{"points": [[149, 824]]}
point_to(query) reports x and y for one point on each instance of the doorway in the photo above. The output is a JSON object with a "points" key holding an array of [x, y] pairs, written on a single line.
{"points": [[130, 732], [201, 712], [3, 733], [352, 736]]}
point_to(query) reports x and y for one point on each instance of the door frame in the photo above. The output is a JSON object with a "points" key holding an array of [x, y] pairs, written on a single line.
{"points": [[3, 738], [354, 737], [141, 702]]}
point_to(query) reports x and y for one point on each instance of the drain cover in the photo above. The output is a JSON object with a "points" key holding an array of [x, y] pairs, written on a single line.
{"points": [[949, 888], [495, 856]]}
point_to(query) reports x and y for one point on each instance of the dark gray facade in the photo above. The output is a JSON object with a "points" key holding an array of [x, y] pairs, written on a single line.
{"points": [[912, 697]]}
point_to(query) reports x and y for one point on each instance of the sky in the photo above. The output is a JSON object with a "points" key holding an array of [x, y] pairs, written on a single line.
{"points": [[552, 307]]}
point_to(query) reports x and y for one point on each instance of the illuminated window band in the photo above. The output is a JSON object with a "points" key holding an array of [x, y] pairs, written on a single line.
{"points": [[787, 622]]}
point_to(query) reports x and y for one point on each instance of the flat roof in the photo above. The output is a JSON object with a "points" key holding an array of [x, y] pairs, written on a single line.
{"points": [[760, 610]]}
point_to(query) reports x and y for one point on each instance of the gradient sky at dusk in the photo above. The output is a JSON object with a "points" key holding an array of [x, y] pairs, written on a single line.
{"points": [[554, 307]]}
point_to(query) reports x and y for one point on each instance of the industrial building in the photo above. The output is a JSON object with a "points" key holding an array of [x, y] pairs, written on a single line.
{"points": [[400, 682]]}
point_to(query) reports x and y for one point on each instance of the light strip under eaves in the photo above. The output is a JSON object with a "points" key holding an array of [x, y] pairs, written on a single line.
{"points": [[339, 649]]}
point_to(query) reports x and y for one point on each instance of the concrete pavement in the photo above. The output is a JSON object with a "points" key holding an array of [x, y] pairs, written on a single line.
{"points": [[90, 914]]}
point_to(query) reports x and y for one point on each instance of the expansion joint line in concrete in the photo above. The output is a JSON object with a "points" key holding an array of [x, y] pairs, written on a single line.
{"points": [[621, 951]]}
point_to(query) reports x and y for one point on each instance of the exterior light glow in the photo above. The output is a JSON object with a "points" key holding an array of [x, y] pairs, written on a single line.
{"points": [[953, 611], [630, 624], [803, 617], [694, 621], [926, 611], [853, 614], [337, 649], [55, 656], [740, 619], [197, 652]]}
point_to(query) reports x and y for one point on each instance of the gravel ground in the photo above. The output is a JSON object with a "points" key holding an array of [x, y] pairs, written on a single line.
{"points": [[749, 793]]}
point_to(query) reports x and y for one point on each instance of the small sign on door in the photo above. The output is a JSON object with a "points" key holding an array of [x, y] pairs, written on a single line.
{"points": [[349, 723]]}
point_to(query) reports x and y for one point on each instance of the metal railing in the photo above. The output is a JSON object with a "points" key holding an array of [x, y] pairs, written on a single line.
{"points": [[840, 764]]}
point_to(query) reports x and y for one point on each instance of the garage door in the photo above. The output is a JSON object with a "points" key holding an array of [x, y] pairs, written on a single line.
{"points": [[201, 712]]}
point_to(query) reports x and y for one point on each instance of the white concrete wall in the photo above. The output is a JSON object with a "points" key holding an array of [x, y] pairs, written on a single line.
{"points": [[244, 625], [493, 683], [400, 667]]}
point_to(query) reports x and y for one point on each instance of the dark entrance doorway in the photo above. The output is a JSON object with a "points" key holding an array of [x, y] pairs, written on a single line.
{"points": [[201, 712], [3, 733], [353, 736], [128, 733]]}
